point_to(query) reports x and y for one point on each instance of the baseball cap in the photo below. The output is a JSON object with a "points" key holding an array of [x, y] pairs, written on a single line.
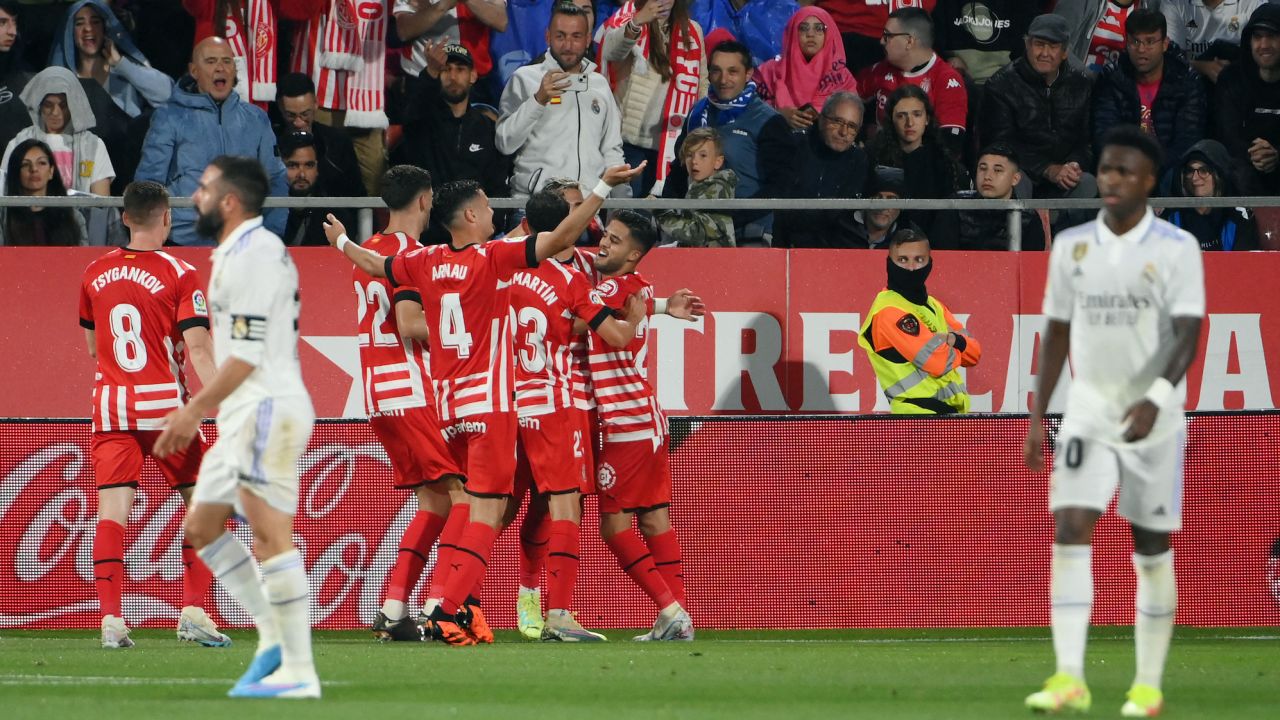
{"points": [[454, 52], [1050, 27]]}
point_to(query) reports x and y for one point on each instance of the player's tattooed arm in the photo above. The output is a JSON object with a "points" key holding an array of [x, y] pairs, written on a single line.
{"points": [[1053, 356], [1141, 416], [368, 261]]}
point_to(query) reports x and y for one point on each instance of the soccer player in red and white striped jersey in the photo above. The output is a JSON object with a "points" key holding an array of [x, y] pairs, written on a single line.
{"points": [[400, 402], [465, 291], [143, 310], [633, 472]]}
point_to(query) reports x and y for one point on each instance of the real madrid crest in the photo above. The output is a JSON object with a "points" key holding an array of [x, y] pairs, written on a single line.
{"points": [[1079, 251], [595, 106]]}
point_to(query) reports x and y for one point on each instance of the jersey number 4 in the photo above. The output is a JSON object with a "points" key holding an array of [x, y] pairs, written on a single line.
{"points": [[453, 329]]}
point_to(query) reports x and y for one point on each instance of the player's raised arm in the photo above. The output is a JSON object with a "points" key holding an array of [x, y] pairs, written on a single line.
{"points": [[567, 232], [682, 304], [367, 260]]}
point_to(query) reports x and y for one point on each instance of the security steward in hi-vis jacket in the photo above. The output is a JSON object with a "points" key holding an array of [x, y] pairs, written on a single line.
{"points": [[916, 346]]}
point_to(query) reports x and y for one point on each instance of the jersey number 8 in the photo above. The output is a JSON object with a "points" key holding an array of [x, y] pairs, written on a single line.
{"points": [[126, 334]]}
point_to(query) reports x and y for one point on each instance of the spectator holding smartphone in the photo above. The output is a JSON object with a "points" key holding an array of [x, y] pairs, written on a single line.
{"points": [[810, 69]]}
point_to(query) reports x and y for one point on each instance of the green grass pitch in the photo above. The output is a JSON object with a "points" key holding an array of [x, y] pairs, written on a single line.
{"points": [[1212, 673]]}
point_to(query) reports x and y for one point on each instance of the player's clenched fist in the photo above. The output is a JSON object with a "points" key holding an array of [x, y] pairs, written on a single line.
{"points": [[333, 229]]}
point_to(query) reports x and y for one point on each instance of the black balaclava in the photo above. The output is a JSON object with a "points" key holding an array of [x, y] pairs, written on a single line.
{"points": [[909, 283]]}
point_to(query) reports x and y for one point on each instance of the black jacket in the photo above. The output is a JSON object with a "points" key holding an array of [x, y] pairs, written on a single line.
{"points": [[306, 225], [1246, 108], [1179, 113], [821, 172], [336, 159], [982, 229], [1045, 124], [1220, 228]]}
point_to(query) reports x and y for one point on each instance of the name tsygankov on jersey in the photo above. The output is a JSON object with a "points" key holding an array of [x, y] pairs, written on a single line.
{"points": [[148, 281]]}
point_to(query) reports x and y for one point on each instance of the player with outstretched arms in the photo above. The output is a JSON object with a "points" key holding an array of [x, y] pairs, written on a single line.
{"points": [[633, 471], [466, 301], [144, 313], [1125, 295], [264, 422], [400, 402]]}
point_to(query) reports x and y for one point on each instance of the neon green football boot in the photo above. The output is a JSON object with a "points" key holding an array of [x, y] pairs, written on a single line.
{"points": [[1142, 701], [1061, 693], [529, 613]]}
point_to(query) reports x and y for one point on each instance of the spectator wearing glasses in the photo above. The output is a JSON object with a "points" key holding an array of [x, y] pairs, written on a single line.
{"points": [[828, 165], [1205, 171], [810, 69], [1039, 105], [909, 59], [1153, 87], [860, 23], [1097, 29], [338, 166], [61, 118]]}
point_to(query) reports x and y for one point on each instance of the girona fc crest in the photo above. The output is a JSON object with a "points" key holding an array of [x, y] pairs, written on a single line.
{"points": [[263, 40], [606, 477], [608, 288], [345, 13]]}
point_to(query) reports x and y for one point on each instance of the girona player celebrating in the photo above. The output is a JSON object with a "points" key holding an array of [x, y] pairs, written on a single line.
{"points": [[467, 307], [633, 473], [143, 311], [553, 434], [398, 396]]}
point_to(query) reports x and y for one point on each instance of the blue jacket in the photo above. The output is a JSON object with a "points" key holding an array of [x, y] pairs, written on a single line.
{"points": [[758, 25], [133, 83], [189, 132]]}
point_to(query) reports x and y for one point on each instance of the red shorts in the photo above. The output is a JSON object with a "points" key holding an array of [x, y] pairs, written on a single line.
{"points": [[118, 455], [633, 476], [484, 449], [553, 450], [414, 445]]}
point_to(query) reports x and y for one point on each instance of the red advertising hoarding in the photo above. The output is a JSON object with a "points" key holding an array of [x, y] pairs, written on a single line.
{"points": [[785, 523]]}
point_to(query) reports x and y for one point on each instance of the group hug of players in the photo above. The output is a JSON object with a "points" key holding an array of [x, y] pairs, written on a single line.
{"points": [[492, 370]]}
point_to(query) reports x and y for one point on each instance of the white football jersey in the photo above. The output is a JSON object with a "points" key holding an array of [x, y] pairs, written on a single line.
{"points": [[1194, 27], [254, 304], [1120, 294]]}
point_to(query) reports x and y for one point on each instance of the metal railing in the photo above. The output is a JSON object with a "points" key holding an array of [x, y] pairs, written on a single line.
{"points": [[366, 205]]}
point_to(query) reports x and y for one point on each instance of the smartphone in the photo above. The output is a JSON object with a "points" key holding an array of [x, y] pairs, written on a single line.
{"points": [[577, 83]]}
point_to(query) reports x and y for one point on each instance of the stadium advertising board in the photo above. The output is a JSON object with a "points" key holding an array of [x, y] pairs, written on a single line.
{"points": [[780, 337]]}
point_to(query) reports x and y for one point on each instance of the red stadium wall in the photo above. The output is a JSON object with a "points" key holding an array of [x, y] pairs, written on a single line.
{"points": [[786, 523], [780, 337]]}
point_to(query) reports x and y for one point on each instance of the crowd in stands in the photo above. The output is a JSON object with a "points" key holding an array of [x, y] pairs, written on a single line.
{"points": [[793, 99]]}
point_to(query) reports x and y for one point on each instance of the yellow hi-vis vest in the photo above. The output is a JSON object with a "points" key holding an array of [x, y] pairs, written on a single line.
{"points": [[904, 380]]}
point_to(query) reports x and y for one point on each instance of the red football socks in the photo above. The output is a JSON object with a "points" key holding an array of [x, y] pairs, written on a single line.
{"points": [[562, 563], [534, 534], [467, 564], [196, 577], [666, 556], [415, 544], [635, 560], [108, 565], [459, 516]]}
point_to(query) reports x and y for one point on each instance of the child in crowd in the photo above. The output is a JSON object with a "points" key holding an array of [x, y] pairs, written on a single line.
{"points": [[703, 156]]}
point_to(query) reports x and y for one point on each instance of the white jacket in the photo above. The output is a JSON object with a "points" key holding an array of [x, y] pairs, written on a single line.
{"points": [[577, 138]]}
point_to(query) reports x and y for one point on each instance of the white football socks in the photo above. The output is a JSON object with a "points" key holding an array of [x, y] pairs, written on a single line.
{"points": [[1072, 603], [1155, 604], [393, 609], [285, 579], [229, 561]]}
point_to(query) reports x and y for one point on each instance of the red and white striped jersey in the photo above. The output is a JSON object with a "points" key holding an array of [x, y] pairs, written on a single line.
{"points": [[466, 297], [584, 261], [395, 371], [139, 303], [544, 303], [628, 407]]}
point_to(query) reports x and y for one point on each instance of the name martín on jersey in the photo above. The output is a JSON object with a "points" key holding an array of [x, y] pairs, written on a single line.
{"points": [[449, 272], [148, 281], [537, 286]]}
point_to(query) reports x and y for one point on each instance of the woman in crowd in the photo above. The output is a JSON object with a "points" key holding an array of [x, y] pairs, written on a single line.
{"points": [[32, 172], [61, 118], [95, 45], [646, 44], [1205, 171], [910, 141], [810, 69]]}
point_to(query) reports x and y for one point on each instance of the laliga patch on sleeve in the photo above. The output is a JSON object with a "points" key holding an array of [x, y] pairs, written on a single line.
{"points": [[198, 304], [909, 324]]}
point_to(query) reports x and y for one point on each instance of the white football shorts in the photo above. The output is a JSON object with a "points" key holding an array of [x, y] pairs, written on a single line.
{"points": [[258, 449], [1086, 473]]}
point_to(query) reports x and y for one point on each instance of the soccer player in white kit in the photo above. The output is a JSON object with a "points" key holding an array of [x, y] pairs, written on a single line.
{"points": [[1125, 294], [264, 421]]}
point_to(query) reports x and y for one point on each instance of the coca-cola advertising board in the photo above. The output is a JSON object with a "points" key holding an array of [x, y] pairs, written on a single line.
{"points": [[779, 336], [784, 522]]}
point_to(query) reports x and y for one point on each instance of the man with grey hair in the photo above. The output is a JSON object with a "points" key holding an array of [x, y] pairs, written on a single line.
{"points": [[828, 165], [909, 59]]}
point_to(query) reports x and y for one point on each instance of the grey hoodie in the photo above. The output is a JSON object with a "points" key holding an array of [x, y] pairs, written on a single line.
{"points": [[85, 146]]}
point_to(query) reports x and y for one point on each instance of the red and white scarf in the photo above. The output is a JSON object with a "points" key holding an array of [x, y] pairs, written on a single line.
{"points": [[324, 48], [685, 58], [254, 49]]}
